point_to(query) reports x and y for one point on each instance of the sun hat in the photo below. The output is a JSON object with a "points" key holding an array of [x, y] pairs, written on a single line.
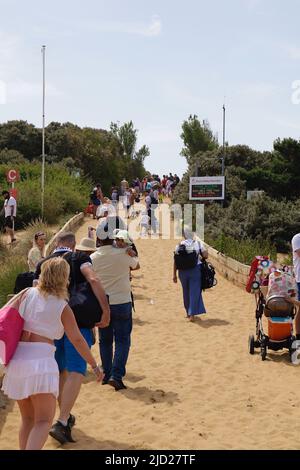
{"points": [[86, 244], [122, 235]]}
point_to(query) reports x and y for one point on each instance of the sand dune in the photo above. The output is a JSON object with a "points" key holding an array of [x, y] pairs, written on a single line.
{"points": [[190, 385]]}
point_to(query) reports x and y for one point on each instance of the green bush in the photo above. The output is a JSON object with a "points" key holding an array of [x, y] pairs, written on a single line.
{"points": [[243, 250], [259, 219], [13, 265], [14, 260], [26, 241], [64, 192]]}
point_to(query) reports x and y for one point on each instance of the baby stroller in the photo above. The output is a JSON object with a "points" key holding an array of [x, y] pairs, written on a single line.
{"points": [[270, 286], [280, 315]]}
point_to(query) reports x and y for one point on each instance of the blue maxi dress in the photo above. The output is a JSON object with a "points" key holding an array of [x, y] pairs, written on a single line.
{"points": [[192, 293], [191, 282]]}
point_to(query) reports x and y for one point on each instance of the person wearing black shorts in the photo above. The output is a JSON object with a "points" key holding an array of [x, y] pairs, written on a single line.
{"points": [[10, 210]]}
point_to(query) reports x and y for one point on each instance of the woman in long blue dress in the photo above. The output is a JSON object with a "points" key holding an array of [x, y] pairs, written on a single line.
{"points": [[191, 278]]}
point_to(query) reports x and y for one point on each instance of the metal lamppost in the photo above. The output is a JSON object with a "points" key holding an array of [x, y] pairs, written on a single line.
{"points": [[223, 151], [43, 132], [223, 157]]}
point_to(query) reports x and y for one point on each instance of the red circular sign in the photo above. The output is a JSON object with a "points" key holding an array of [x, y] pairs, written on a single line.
{"points": [[12, 176]]}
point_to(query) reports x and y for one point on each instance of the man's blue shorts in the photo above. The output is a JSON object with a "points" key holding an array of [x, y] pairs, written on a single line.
{"points": [[67, 356]]}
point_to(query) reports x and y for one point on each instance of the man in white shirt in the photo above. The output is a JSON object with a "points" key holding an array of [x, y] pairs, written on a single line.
{"points": [[112, 266], [10, 211], [124, 186], [127, 201], [148, 201], [106, 209]]}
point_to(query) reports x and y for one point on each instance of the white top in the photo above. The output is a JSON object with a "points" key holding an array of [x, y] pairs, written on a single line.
{"points": [[34, 257], [145, 219], [112, 268], [148, 202], [109, 208], [42, 315], [126, 198], [192, 245], [155, 194], [296, 257], [8, 204]]}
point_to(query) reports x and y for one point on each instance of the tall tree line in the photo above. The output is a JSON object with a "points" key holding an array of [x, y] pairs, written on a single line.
{"points": [[101, 155]]}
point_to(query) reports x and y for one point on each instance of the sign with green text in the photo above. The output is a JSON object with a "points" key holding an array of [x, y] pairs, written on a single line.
{"points": [[207, 188]]}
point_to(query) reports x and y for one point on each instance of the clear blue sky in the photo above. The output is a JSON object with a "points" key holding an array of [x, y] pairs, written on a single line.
{"points": [[155, 62]]}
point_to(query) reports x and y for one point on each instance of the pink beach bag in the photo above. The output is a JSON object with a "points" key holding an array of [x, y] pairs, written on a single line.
{"points": [[11, 327]]}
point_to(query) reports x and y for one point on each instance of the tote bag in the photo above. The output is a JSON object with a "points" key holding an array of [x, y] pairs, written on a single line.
{"points": [[11, 327]]}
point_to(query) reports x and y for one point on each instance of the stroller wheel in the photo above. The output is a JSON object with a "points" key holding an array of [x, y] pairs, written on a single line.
{"points": [[263, 353], [251, 344], [293, 350], [293, 354]]}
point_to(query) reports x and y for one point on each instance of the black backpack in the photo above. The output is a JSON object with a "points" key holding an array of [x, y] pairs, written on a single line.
{"points": [[208, 272], [23, 281], [185, 260]]}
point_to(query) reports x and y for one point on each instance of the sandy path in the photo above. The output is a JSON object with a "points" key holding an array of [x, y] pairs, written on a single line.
{"points": [[190, 385]]}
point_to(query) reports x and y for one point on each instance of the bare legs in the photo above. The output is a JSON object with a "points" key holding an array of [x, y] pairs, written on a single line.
{"points": [[37, 413], [68, 393], [11, 233], [27, 423], [297, 321]]}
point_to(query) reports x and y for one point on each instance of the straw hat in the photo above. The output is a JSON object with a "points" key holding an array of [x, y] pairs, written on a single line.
{"points": [[86, 244]]}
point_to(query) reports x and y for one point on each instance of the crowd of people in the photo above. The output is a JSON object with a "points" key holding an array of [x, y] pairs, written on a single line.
{"points": [[129, 193], [125, 196], [52, 355], [51, 358]]}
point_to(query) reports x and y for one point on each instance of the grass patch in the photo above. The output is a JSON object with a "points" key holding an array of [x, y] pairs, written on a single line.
{"points": [[10, 269], [243, 250], [14, 260]]}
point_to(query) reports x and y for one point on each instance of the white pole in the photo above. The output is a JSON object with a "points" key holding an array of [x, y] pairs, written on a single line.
{"points": [[223, 159], [43, 132]]}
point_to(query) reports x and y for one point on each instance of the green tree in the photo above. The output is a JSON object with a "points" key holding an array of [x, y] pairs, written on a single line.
{"points": [[63, 141], [104, 156], [21, 136], [127, 136], [11, 156], [197, 137]]}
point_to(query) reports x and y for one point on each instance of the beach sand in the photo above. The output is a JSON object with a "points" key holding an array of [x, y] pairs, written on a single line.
{"points": [[190, 385]]}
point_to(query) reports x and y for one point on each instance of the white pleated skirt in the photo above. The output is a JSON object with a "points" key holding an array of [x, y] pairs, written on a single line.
{"points": [[32, 370]]}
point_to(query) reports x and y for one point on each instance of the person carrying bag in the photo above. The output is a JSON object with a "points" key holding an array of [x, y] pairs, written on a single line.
{"points": [[11, 327], [189, 266], [86, 308], [70, 363]]}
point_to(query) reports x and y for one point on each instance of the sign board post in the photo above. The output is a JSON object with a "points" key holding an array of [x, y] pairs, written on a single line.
{"points": [[12, 176], [207, 188]]}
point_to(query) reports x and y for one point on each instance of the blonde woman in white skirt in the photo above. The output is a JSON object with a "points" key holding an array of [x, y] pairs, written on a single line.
{"points": [[32, 376]]}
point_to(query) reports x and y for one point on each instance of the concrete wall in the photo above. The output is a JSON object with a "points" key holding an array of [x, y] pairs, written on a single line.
{"points": [[231, 269], [71, 226]]}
